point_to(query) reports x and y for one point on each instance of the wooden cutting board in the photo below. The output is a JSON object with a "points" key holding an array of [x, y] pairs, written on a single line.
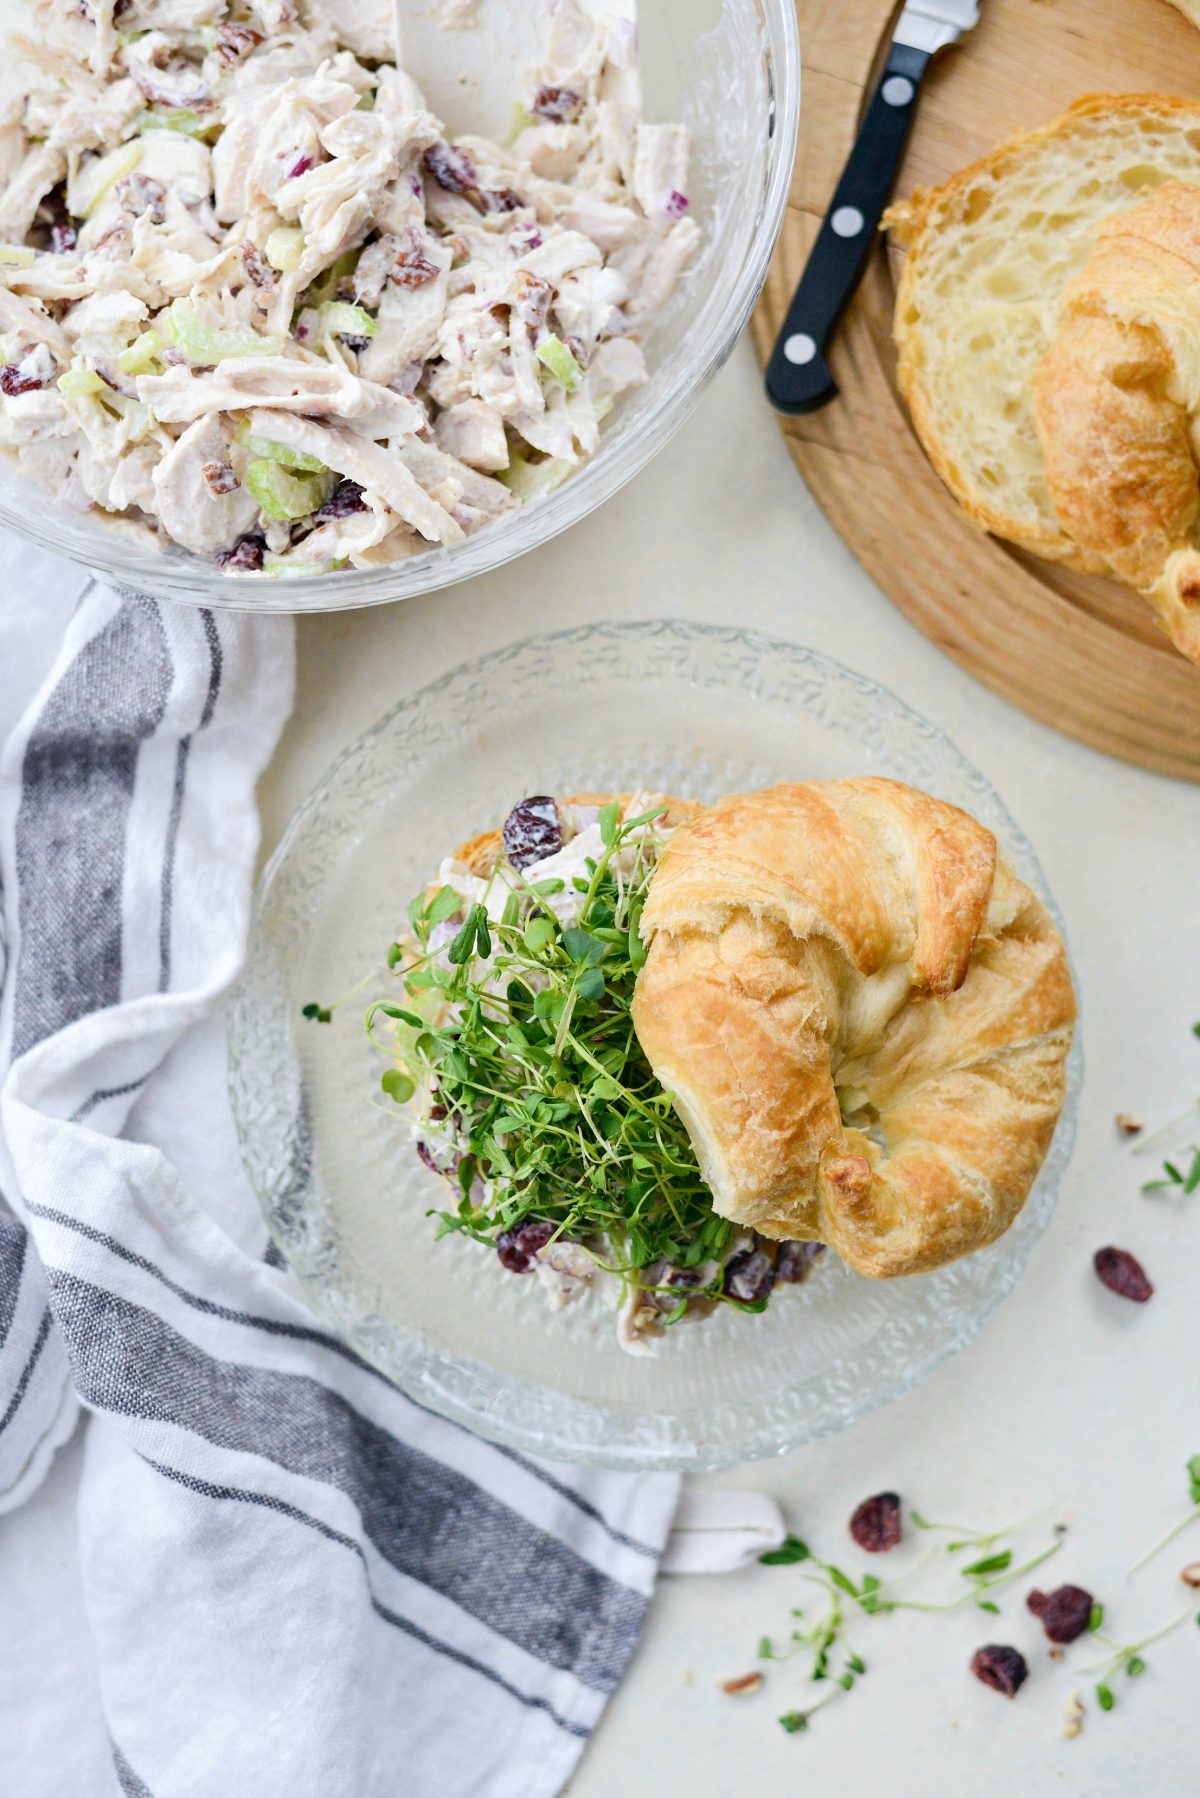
{"points": [[1079, 652]]}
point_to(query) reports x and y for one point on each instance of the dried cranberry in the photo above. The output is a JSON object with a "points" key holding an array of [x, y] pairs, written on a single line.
{"points": [[246, 556], [875, 1525], [532, 831], [413, 267], [451, 168], [517, 1247], [346, 499], [749, 1276], [794, 1260], [500, 199], [13, 381], [235, 42], [257, 266], [1064, 1613], [682, 1279], [1123, 1274], [300, 167], [1000, 1667], [63, 237], [445, 1169], [558, 104], [219, 478], [677, 204]]}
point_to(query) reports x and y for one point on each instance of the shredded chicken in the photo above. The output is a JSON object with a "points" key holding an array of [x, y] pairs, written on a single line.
{"points": [[254, 303]]}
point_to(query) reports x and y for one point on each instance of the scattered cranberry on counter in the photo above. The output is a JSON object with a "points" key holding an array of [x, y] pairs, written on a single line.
{"points": [[875, 1525], [1064, 1613], [1000, 1667], [1123, 1274]]}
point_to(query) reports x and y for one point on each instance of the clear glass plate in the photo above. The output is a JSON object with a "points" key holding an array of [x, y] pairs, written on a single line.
{"points": [[668, 706]]}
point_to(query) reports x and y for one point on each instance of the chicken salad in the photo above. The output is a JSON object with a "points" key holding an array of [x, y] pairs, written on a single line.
{"points": [[513, 1060], [255, 303]]}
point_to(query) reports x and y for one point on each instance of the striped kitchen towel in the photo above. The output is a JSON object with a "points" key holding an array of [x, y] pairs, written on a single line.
{"points": [[299, 1583]]}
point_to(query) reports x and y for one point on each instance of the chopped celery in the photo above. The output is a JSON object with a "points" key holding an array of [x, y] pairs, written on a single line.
{"points": [[522, 120], [530, 480], [201, 342], [174, 118], [140, 357], [325, 286], [282, 494], [366, 102], [79, 382], [284, 248], [138, 418], [96, 177], [341, 319], [295, 568], [266, 449], [16, 255], [604, 406], [553, 353]]}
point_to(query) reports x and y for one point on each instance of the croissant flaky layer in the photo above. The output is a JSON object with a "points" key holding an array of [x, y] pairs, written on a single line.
{"points": [[1053, 393], [1118, 403], [864, 1017]]}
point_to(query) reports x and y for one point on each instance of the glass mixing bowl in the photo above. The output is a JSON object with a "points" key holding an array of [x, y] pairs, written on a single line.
{"points": [[731, 69], [672, 707]]}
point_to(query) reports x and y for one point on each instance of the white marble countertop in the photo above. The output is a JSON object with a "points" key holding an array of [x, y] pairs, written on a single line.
{"points": [[1072, 1403]]}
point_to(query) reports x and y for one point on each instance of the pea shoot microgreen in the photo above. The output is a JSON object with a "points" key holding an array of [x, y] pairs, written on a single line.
{"points": [[1126, 1658], [516, 1038], [1180, 1179], [1193, 1476], [323, 1014], [820, 1630]]}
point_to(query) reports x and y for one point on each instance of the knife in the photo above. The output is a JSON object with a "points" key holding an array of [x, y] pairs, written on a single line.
{"points": [[798, 377]]}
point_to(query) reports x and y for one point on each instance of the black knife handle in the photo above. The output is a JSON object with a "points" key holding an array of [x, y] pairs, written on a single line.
{"points": [[798, 377]]}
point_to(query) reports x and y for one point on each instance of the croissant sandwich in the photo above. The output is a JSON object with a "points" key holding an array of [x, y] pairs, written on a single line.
{"points": [[864, 1017], [691, 1046]]}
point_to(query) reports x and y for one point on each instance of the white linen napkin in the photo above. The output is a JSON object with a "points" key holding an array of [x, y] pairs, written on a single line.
{"points": [[299, 1583]]}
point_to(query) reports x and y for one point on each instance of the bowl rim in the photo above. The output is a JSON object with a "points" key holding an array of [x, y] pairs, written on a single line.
{"points": [[186, 579], [476, 1417]]}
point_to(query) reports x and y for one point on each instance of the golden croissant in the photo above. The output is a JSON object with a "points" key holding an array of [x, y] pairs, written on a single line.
{"points": [[863, 1015], [1118, 406]]}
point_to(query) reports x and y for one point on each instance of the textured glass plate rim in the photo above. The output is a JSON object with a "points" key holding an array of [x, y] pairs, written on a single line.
{"points": [[187, 580], [767, 1440]]}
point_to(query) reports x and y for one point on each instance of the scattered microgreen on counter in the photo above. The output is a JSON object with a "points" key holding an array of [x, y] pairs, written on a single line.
{"points": [[517, 1038], [821, 1629]]}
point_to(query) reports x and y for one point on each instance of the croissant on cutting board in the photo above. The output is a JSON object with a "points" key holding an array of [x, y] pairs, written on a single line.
{"points": [[1118, 403], [863, 1016], [1049, 343]]}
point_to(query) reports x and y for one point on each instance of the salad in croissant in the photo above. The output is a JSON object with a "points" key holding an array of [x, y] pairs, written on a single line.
{"points": [[524, 1085], [256, 303], [685, 1048]]}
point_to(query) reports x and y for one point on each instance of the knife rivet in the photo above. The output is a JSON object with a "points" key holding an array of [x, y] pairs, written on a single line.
{"points": [[898, 90], [847, 221], [800, 348]]}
